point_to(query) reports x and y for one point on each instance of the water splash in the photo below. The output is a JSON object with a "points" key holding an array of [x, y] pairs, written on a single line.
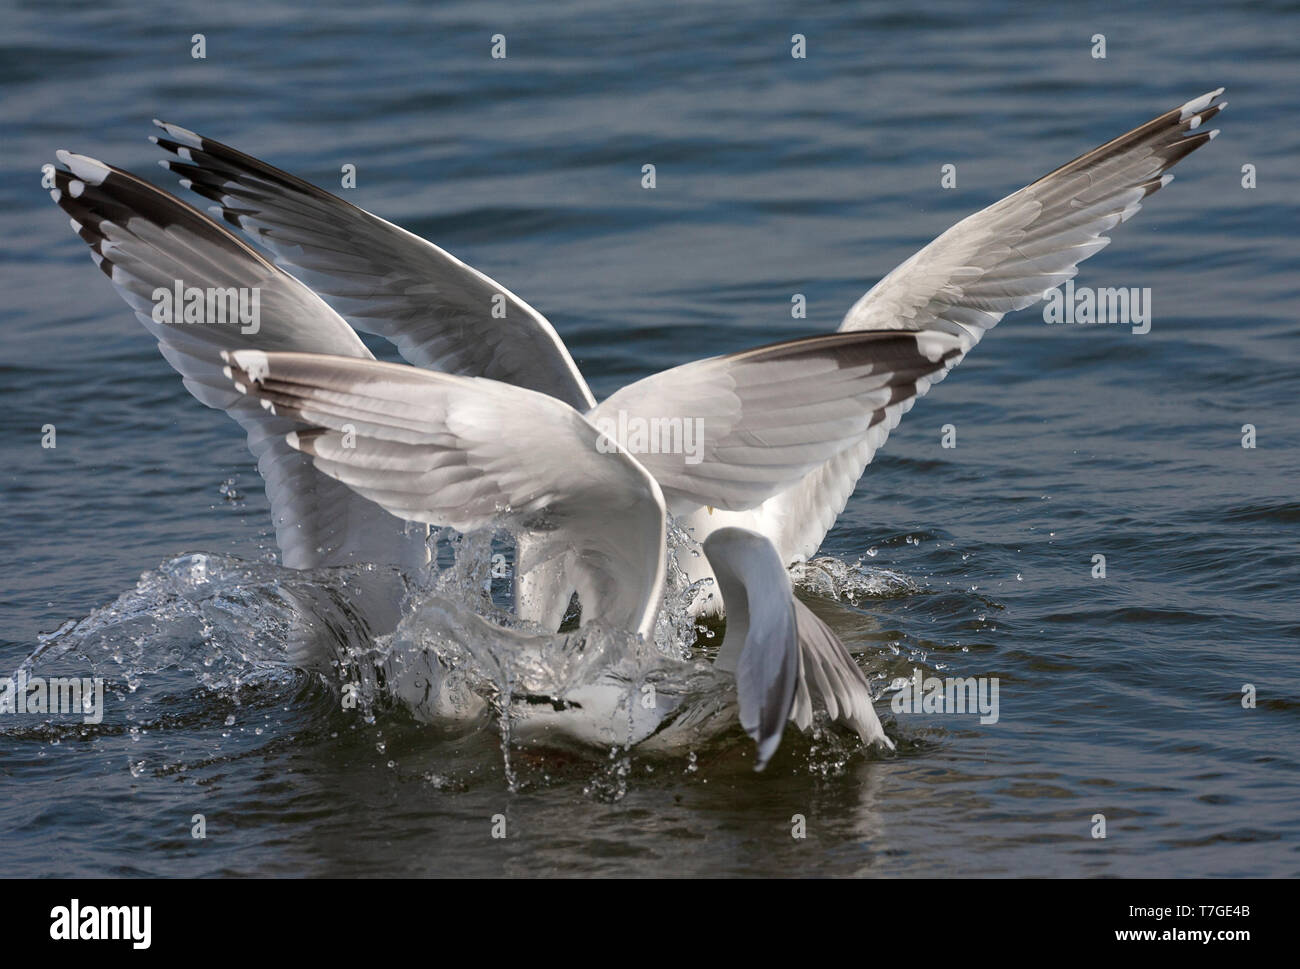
{"points": [[451, 654], [834, 579], [225, 620]]}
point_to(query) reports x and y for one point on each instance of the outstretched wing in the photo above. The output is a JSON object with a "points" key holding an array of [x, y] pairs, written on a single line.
{"points": [[1000, 259], [1006, 256], [146, 241], [435, 308], [732, 431], [472, 453]]}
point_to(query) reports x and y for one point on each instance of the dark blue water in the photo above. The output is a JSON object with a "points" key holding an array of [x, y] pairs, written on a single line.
{"points": [[776, 176]]}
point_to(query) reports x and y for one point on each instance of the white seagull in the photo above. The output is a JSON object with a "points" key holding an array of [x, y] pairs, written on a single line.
{"points": [[787, 429]]}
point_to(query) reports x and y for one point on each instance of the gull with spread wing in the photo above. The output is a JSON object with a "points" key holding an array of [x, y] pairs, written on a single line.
{"points": [[773, 414], [770, 415], [788, 429], [435, 309]]}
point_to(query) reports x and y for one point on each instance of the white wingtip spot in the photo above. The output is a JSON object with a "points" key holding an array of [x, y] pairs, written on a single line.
{"points": [[180, 134], [1214, 134], [89, 170], [238, 386], [76, 187], [186, 183], [1166, 178], [253, 363], [933, 345], [76, 226], [292, 440], [1197, 105], [1195, 123], [55, 194]]}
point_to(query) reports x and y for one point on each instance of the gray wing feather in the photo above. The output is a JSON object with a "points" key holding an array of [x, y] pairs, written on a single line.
{"points": [[385, 280], [762, 419], [827, 670]]}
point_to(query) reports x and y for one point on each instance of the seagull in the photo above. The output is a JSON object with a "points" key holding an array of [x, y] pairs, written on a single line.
{"points": [[787, 430], [445, 449], [774, 413], [769, 415], [386, 281]]}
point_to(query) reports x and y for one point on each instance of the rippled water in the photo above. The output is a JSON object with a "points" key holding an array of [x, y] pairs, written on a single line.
{"points": [[776, 176]]}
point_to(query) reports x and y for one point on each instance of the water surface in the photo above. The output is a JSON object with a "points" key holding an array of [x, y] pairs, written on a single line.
{"points": [[775, 176]]}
